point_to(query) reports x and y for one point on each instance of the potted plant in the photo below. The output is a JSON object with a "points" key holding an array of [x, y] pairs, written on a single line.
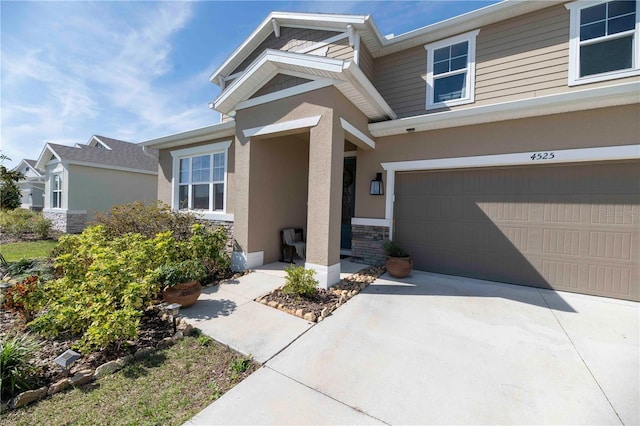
{"points": [[181, 281], [398, 262]]}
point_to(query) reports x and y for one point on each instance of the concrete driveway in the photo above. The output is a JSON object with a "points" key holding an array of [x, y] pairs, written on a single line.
{"points": [[434, 349]]}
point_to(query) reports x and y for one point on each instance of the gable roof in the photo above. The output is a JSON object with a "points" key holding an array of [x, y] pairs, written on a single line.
{"points": [[31, 164], [377, 44], [103, 152]]}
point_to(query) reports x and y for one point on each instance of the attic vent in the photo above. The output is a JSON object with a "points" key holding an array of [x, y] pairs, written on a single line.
{"points": [[53, 157], [99, 145]]}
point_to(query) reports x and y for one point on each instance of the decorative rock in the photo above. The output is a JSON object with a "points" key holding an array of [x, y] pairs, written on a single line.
{"points": [[164, 317], [186, 328], [272, 304], [310, 316], [143, 352], [179, 335], [28, 397], [165, 343], [58, 386], [82, 377], [353, 293], [299, 313], [106, 368], [263, 301], [325, 313], [124, 360]]}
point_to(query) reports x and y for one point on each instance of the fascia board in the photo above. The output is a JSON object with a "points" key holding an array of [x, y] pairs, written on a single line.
{"points": [[269, 61], [108, 167], [202, 134], [622, 94], [41, 163]]}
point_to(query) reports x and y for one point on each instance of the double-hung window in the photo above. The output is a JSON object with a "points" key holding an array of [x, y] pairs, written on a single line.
{"points": [[56, 192], [603, 41], [200, 178], [451, 71]]}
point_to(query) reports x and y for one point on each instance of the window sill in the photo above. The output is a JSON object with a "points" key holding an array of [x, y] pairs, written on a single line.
{"points": [[604, 77], [449, 104], [225, 217]]}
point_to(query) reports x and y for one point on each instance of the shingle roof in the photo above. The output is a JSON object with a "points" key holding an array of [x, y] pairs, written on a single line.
{"points": [[122, 154], [31, 163]]}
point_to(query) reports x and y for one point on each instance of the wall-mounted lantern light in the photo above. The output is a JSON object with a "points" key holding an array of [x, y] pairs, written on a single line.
{"points": [[377, 186]]}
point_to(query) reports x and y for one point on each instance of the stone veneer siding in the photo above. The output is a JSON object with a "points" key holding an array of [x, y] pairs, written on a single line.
{"points": [[64, 221], [366, 243], [229, 228]]}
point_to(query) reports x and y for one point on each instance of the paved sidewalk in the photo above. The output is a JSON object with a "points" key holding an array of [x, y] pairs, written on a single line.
{"points": [[228, 313]]}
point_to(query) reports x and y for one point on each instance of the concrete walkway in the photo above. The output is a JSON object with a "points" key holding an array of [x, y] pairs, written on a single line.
{"points": [[433, 349]]}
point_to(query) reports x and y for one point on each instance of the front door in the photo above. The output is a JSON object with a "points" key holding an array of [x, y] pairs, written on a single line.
{"points": [[348, 201]]}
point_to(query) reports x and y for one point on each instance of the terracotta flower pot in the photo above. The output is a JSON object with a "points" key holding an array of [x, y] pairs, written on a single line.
{"points": [[399, 267], [186, 294]]}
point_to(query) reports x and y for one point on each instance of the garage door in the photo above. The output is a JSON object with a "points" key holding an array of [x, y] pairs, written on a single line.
{"points": [[571, 227]]}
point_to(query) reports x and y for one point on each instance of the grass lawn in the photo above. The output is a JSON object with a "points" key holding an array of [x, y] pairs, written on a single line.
{"points": [[26, 249], [165, 388]]}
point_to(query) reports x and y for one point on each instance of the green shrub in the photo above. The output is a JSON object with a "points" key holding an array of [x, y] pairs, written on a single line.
{"points": [[146, 219], [19, 222], [16, 369], [300, 282], [174, 273], [207, 246], [391, 248], [106, 284]]}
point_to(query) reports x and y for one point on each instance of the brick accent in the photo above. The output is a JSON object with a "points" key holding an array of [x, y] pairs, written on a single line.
{"points": [[64, 221], [366, 243]]}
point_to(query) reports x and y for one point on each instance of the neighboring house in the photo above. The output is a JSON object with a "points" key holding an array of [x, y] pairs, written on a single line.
{"points": [[32, 186], [506, 141], [84, 179]]}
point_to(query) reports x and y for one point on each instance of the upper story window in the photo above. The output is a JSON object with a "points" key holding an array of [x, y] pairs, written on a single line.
{"points": [[604, 41], [56, 192], [200, 178], [451, 71]]}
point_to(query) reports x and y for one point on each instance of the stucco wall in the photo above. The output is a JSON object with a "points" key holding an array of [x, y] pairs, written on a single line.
{"points": [[165, 173], [592, 128]]}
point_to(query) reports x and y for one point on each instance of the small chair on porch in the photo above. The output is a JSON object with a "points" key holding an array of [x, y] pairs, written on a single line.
{"points": [[292, 243]]}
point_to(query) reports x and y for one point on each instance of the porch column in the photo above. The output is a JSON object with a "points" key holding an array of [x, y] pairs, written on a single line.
{"points": [[324, 205]]}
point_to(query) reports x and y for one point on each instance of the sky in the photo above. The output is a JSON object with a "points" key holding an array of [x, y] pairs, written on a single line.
{"points": [[139, 70]]}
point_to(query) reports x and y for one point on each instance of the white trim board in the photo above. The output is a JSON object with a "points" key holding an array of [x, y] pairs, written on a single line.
{"points": [[367, 221], [285, 93], [362, 141], [607, 153], [326, 275], [301, 123], [532, 158]]}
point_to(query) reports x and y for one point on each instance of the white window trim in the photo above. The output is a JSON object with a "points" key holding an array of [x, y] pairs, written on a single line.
{"points": [[55, 191], [469, 96], [574, 47], [213, 148]]}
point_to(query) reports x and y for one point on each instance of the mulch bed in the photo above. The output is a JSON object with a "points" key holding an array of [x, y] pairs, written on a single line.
{"points": [[152, 330], [321, 305]]}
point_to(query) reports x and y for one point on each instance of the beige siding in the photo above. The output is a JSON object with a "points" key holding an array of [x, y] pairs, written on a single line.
{"points": [[280, 82], [291, 39], [95, 189], [520, 57], [365, 61], [400, 79]]}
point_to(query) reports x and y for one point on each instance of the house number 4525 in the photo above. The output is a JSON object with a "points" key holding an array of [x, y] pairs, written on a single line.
{"points": [[543, 156]]}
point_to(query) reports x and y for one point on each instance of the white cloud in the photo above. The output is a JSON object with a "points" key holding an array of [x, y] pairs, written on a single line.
{"points": [[82, 68]]}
